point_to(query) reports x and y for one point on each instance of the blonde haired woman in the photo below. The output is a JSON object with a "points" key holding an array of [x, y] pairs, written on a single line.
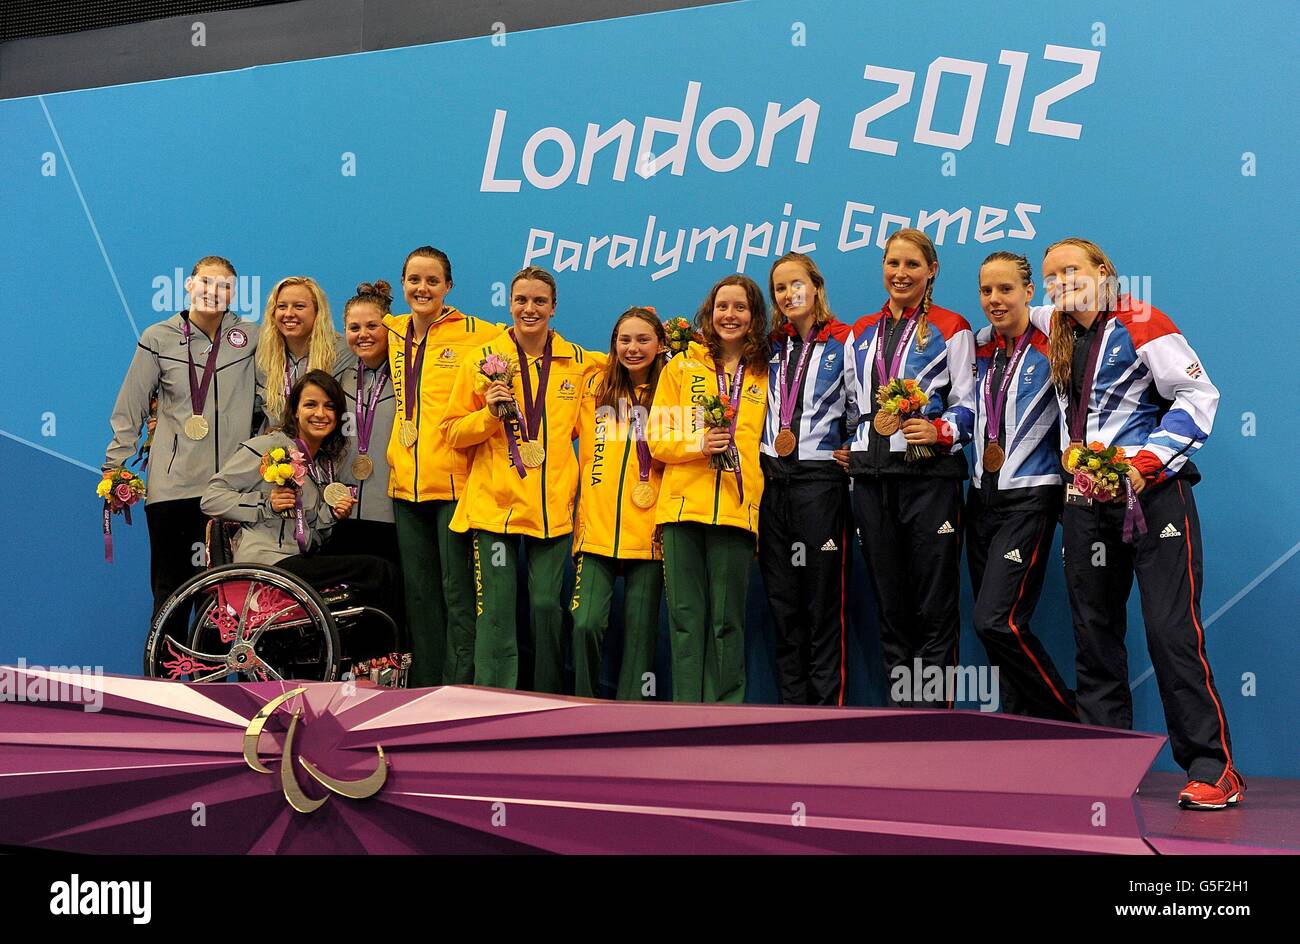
{"points": [[1125, 376], [907, 472], [804, 511], [297, 337]]}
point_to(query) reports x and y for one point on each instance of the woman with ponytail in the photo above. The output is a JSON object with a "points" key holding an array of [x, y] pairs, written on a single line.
{"points": [[618, 489], [1014, 499], [1125, 376], [368, 385], [297, 337], [428, 476], [803, 539], [907, 464]]}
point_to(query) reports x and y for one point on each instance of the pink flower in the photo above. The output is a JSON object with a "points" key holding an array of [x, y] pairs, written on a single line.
{"points": [[124, 494], [1084, 484], [494, 365]]}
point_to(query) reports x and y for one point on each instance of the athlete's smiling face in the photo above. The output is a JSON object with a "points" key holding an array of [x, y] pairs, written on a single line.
{"points": [[317, 415], [907, 273], [637, 345], [792, 290], [1004, 296], [731, 314], [1072, 280], [367, 336], [425, 285], [295, 312], [211, 289], [531, 306]]}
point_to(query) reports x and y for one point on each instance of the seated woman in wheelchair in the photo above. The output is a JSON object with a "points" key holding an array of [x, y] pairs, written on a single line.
{"points": [[287, 525]]}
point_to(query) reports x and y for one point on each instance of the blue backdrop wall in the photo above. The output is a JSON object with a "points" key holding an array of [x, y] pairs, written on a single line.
{"points": [[1162, 137]]}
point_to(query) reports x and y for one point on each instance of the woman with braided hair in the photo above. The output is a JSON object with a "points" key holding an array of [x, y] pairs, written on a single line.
{"points": [[907, 465]]}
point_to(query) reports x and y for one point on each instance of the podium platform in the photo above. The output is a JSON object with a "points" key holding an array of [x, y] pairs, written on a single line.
{"points": [[165, 767]]}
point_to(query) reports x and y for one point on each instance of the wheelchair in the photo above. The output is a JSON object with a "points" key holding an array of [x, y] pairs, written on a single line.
{"points": [[260, 623]]}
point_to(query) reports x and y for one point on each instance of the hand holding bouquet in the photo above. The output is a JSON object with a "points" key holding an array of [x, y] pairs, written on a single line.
{"points": [[717, 414], [680, 334], [497, 368], [900, 400], [120, 489], [1099, 471], [283, 468]]}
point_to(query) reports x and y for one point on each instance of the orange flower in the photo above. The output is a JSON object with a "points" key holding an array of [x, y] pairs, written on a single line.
{"points": [[1096, 446]]}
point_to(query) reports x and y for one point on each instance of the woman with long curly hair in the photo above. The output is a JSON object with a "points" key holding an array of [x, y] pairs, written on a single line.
{"points": [[712, 488]]}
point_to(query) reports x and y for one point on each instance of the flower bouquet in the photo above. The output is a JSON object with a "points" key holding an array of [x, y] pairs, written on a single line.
{"points": [[282, 467], [680, 334], [493, 368], [120, 489], [1099, 471], [717, 413], [900, 400]]}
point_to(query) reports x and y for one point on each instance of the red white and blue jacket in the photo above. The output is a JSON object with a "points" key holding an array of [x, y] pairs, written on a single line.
{"points": [[1151, 393], [1031, 418], [945, 369], [819, 412]]}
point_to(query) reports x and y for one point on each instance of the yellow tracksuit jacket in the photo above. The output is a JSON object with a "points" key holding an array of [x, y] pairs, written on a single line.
{"points": [[609, 524], [495, 498], [691, 490], [430, 470]]}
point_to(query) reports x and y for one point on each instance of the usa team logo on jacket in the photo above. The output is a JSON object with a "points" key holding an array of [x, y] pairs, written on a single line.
{"points": [[237, 337]]}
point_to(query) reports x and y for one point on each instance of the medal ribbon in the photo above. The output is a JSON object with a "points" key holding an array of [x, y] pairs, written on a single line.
{"points": [[900, 349], [534, 410], [642, 447], [199, 391], [993, 407], [790, 392], [366, 419], [1134, 521], [734, 402], [314, 472], [411, 368], [1079, 411]]}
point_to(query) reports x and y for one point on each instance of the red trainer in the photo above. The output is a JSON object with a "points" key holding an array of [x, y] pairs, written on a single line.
{"points": [[1227, 791]]}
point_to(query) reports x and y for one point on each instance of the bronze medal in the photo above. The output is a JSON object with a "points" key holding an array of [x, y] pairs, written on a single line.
{"points": [[644, 495], [533, 453], [886, 423], [196, 428], [1065, 456], [408, 433], [363, 467], [335, 492], [994, 457], [785, 442]]}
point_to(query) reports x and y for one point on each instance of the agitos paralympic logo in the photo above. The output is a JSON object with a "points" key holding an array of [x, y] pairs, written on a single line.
{"points": [[293, 792]]}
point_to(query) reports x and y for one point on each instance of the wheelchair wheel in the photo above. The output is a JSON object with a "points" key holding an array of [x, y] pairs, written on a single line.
{"points": [[244, 620]]}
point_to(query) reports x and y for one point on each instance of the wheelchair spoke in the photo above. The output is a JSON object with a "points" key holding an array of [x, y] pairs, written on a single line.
{"points": [[210, 676], [257, 633], [194, 653]]}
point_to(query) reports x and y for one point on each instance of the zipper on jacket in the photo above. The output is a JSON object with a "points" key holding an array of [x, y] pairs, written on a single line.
{"points": [[176, 445], [717, 493], [618, 507]]}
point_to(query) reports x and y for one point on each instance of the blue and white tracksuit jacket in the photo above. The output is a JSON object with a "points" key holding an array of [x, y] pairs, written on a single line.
{"points": [[1151, 394], [819, 415], [945, 369], [1031, 418]]}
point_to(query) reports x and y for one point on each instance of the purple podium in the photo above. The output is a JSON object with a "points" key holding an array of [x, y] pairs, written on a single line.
{"points": [[276, 767]]}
